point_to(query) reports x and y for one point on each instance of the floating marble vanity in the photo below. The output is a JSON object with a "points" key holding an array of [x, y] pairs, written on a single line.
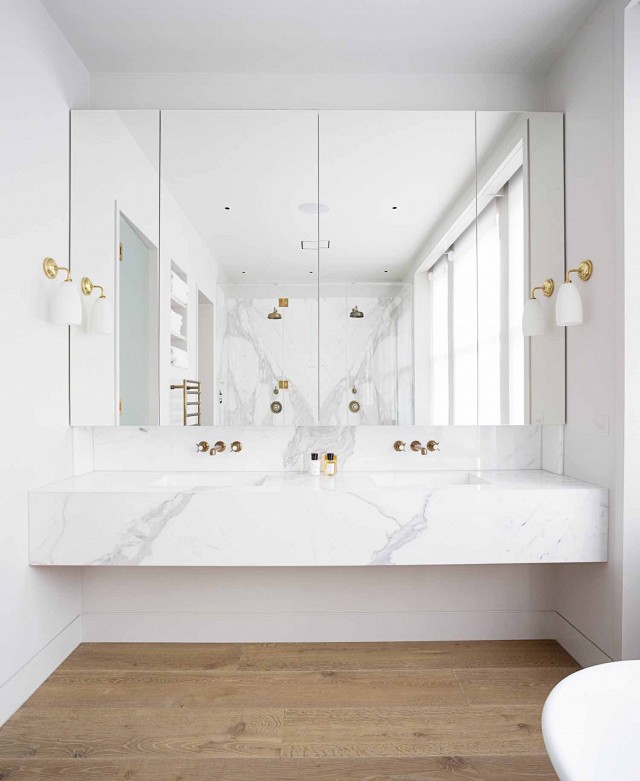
{"points": [[290, 519]]}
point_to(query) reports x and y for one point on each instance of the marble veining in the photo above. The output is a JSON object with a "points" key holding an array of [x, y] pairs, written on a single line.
{"points": [[291, 519]]}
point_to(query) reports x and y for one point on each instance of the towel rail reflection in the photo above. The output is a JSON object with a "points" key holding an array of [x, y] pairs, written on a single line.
{"points": [[190, 388]]}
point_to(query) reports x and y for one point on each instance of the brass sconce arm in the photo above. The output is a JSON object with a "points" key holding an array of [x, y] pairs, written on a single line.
{"points": [[547, 288], [584, 271], [51, 268], [87, 287]]}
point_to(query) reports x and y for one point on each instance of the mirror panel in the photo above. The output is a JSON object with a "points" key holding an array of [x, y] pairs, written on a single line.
{"points": [[233, 184], [388, 181], [115, 159], [520, 243], [296, 268]]}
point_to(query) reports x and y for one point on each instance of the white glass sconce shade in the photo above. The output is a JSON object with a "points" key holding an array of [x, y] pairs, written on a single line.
{"points": [[101, 321], [533, 314], [66, 308], [569, 305], [533, 318]]}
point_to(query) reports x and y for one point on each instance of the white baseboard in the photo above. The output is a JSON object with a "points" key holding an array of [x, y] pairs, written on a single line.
{"points": [[316, 627], [583, 650], [293, 627], [21, 685]]}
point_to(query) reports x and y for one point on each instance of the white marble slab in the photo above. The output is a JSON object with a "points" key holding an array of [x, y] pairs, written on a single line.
{"points": [[359, 448], [290, 519]]}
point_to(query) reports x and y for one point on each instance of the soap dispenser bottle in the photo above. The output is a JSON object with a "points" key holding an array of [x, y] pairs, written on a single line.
{"points": [[314, 465], [330, 464]]}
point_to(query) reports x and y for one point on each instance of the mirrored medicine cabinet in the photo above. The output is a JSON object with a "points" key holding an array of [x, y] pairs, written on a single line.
{"points": [[270, 268]]}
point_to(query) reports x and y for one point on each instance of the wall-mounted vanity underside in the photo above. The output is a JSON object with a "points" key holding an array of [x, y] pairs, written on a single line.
{"points": [[301, 269]]}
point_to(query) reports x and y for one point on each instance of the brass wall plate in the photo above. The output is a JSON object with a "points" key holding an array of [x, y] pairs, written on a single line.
{"points": [[548, 287], [276, 407], [86, 285], [50, 268], [354, 406], [585, 270], [283, 302], [283, 384]]}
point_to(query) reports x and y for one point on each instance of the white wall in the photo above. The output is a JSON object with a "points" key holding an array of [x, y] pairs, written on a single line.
{"points": [[40, 79], [586, 84], [489, 92], [631, 573]]}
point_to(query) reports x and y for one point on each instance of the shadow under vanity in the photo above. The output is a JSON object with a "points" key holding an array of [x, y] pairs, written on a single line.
{"points": [[282, 282]]}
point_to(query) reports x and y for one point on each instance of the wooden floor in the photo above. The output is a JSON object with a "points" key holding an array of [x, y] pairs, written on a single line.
{"points": [[323, 712]]}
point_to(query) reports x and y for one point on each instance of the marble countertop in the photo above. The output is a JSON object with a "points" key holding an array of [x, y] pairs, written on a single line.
{"points": [[217, 518]]}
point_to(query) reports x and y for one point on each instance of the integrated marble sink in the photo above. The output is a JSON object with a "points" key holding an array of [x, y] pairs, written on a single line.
{"points": [[223, 518], [419, 480], [206, 480]]}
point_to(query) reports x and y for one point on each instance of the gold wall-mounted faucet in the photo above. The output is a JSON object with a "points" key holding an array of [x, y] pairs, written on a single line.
{"points": [[219, 447], [431, 445]]}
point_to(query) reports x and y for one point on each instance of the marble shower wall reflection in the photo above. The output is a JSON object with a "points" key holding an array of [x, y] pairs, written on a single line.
{"points": [[364, 359], [367, 359], [255, 353]]}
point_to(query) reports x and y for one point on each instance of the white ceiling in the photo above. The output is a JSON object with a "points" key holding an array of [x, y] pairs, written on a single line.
{"points": [[310, 36]]}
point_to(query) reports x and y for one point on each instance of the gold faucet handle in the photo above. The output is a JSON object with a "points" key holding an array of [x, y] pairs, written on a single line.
{"points": [[219, 447], [202, 446], [399, 446], [432, 445], [236, 446]]}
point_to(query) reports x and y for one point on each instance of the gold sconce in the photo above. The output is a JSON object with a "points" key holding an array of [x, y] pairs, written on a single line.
{"points": [[51, 268], [569, 302], [584, 271], [65, 306], [533, 320], [101, 319], [87, 287], [547, 287]]}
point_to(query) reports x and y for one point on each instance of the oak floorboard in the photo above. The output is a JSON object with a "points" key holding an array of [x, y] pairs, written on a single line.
{"points": [[404, 655], [175, 657], [525, 686], [276, 689], [96, 733], [448, 768], [434, 731]]}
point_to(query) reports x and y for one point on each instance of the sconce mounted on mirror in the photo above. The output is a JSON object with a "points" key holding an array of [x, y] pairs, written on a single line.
{"points": [[533, 323], [569, 303], [101, 319], [65, 307]]}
